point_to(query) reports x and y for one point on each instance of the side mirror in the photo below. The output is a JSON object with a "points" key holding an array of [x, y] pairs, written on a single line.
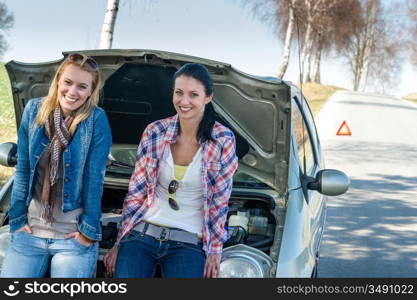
{"points": [[8, 154], [330, 182]]}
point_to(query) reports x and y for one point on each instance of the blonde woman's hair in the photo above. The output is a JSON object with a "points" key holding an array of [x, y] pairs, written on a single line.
{"points": [[51, 100]]}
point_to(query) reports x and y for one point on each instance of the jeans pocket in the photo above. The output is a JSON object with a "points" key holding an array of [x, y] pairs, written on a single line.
{"points": [[78, 244], [17, 235], [22, 238], [131, 236], [198, 247], [19, 232]]}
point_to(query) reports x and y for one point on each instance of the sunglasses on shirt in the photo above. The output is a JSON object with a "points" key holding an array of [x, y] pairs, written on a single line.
{"points": [[83, 59], [172, 189]]}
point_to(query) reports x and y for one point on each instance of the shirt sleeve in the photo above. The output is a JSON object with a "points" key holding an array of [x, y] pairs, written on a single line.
{"points": [[137, 190], [93, 178], [20, 191], [221, 193]]}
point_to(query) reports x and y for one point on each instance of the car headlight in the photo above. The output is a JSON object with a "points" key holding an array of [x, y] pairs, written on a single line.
{"points": [[4, 243], [242, 261]]}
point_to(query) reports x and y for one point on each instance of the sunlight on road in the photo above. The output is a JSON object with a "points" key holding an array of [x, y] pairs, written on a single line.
{"points": [[371, 230]]}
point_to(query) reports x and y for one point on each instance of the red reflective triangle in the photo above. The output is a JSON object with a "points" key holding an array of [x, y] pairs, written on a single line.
{"points": [[344, 129]]}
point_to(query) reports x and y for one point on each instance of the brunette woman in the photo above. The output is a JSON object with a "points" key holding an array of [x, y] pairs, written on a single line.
{"points": [[176, 207]]}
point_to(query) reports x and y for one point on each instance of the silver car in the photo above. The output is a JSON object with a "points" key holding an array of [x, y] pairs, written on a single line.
{"points": [[277, 209]]}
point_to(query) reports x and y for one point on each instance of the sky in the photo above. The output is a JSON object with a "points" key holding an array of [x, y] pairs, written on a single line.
{"points": [[220, 30]]}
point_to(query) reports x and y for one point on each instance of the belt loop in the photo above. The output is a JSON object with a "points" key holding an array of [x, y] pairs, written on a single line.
{"points": [[145, 228]]}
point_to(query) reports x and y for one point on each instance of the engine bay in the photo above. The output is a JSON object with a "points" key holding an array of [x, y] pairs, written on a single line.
{"points": [[249, 220]]}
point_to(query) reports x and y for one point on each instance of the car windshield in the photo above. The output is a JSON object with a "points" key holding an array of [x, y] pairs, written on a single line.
{"points": [[121, 163], [121, 160]]}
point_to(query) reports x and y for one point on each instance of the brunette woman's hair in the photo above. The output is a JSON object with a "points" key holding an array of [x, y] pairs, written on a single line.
{"points": [[200, 73]]}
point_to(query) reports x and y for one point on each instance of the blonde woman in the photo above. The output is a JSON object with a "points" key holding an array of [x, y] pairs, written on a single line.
{"points": [[63, 143]]}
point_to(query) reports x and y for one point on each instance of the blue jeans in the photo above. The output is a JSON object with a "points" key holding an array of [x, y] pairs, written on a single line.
{"points": [[30, 256], [139, 254]]}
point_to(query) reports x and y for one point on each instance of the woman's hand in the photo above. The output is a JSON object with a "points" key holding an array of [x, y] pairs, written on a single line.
{"points": [[83, 240], [212, 266], [110, 260], [25, 228]]}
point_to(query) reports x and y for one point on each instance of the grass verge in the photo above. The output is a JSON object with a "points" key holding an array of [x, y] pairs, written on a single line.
{"points": [[7, 119], [411, 97], [317, 95]]}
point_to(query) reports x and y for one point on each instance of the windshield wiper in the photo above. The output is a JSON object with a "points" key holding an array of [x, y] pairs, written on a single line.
{"points": [[118, 164], [249, 184]]}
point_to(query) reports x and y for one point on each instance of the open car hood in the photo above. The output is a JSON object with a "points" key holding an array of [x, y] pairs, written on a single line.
{"points": [[137, 90]]}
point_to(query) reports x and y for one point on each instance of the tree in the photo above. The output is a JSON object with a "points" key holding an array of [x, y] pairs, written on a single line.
{"points": [[366, 43], [332, 31], [318, 25], [107, 30], [357, 29], [287, 6], [385, 64], [326, 25], [374, 51], [278, 14], [106, 38], [6, 23], [412, 12]]}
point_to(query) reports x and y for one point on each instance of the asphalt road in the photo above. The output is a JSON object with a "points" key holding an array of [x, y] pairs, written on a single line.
{"points": [[371, 231]]}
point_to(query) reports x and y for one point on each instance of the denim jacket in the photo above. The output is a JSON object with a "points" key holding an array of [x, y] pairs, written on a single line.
{"points": [[84, 163]]}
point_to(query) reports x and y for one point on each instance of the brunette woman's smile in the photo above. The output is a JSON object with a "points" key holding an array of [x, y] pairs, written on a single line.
{"points": [[189, 98]]}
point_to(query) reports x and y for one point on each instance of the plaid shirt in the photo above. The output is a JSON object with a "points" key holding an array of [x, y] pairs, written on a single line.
{"points": [[218, 166]]}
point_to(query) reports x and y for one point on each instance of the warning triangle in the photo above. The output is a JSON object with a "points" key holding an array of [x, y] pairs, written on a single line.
{"points": [[344, 129]]}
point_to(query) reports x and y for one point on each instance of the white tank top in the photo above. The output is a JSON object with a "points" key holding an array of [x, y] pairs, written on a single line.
{"points": [[189, 196]]}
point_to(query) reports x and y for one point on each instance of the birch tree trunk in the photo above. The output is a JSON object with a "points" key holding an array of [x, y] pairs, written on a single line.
{"points": [[314, 10], [315, 66], [369, 43], [308, 40], [307, 43], [288, 39], [306, 60], [366, 58], [315, 69], [357, 63], [106, 38]]}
